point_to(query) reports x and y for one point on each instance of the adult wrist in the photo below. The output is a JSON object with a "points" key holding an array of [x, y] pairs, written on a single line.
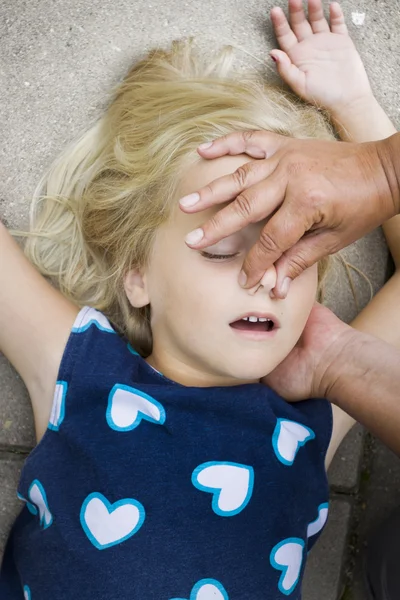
{"points": [[389, 155], [338, 364], [364, 381], [344, 366]]}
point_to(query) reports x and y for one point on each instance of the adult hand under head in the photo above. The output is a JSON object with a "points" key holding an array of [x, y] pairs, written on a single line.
{"points": [[322, 196], [304, 372], [352, 369]]}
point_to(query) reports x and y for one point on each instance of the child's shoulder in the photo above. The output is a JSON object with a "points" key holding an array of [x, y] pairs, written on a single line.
{"points": [[92, 353], [94, 348]]}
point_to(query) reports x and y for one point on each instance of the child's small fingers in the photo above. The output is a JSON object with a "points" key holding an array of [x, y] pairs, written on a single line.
{"points": [[285, 36], [338, 24], [316, 17], [298, 20], [289, 72]]}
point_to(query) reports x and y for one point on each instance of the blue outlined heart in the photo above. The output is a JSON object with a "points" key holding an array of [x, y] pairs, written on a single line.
{"points": [[127, 406], [207, 589], [316, 526], [92, 317], [31, 507], [27, 593], [107, 524], [38, 502], [287, 556], [58, 408], [288, 438], [231, 485]]}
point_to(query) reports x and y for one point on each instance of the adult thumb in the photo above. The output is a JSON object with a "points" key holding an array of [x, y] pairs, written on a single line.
{"points": [[306, 252]]}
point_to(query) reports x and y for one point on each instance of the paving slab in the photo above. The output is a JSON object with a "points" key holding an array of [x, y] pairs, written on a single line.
{"points": [[379, 495], [10, 506], [344, 471], [16, 417]]}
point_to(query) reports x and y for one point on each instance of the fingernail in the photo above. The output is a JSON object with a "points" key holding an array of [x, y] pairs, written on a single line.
{"points": [[205, 146], [273, 58], [242, 278], [189, 200], [285, 286], [195, 236]]}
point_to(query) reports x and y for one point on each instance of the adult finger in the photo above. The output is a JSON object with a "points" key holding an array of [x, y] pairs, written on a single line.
{"points": [[316, 17], [338, 24], [284, 34], [228, 187], [298, 20], [245, 142], [280, 233], [251, 206], [305, 253]]}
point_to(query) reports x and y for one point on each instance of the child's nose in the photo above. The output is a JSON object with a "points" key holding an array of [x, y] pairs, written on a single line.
{"points": [[267, 282]]}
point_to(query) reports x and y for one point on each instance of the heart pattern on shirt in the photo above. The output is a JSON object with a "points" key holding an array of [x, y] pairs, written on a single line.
{"points": [[92, 317], [127, 406], [287, 556], [27, 593], [319, 523], [207, 589], [231, 485], [107, 524], [38, 498], [288, 438], [31, 507], [58, 407]]}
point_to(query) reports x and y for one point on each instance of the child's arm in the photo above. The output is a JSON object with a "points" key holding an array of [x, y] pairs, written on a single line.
{"points": [[315, 53], [35, 322], [321, 64]]}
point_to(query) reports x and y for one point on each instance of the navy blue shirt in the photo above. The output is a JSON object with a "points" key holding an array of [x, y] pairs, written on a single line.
{"points": [[142, 488]]}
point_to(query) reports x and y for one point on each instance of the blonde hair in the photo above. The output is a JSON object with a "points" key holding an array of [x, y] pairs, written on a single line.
{"points": [[95, 213]]}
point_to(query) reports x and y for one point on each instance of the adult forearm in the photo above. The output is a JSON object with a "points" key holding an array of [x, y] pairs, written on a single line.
{"points": [[364, 380], [389, 153]]}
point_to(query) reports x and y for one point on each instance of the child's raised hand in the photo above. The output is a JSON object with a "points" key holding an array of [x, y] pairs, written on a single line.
{"points": [[319, 61]]}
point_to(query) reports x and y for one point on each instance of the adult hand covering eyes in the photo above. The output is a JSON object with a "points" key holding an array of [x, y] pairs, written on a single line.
{"points": [[320, 196]]}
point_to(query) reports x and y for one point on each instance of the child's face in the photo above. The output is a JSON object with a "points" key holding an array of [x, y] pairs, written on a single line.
{"points": [[195, 299]]}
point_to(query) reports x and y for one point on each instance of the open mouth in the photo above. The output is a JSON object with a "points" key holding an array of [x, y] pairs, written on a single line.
{"points": [[253, 323]]}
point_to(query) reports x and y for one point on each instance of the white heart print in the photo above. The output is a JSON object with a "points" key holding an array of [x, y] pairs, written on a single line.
{"points": [[90, 317], [207, 589], [287, 439], [230, 483], [107, 524], [287, 556], [316, 526], [27, 593], [127, 406], [58, 408], [37, 496]]}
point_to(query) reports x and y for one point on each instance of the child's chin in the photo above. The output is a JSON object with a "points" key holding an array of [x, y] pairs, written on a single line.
{"points": [[251, 373]]}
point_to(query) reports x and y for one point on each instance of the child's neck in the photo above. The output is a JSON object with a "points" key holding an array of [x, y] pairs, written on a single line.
{"points": [[186, 374]]}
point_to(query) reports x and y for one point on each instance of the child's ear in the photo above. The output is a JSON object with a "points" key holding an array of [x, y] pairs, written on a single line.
{"points": [[135, 286]]}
